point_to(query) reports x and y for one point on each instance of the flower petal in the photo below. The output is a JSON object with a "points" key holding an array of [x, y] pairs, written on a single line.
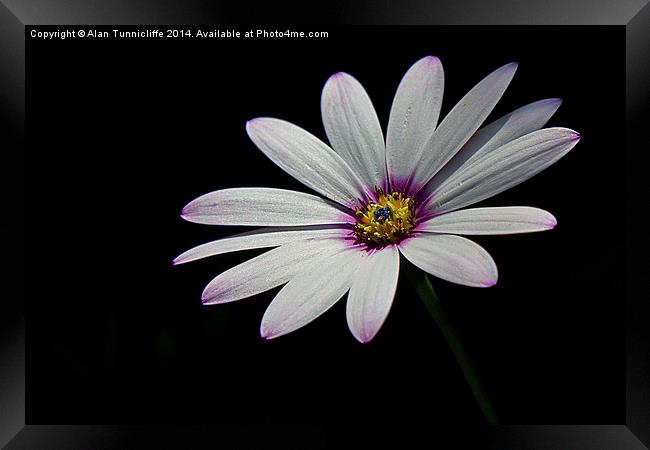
{"points": [[306, 158], [269, 270], [263, 237], [452, 258], [461, 123], [503, 168], [353, 128], [413, 117], [263, 207], [522, 121], [316, 289], [372, 293], [505, 220]]}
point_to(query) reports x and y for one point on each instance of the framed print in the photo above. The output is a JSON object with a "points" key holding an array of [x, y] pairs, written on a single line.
{"points": [[239, 235]]}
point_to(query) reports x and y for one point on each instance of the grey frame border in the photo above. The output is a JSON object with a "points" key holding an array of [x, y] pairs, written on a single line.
{"points": [[634, 15]]}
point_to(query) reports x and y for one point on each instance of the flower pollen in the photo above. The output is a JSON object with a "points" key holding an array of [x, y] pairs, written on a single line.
{"points": [[389, 220]]}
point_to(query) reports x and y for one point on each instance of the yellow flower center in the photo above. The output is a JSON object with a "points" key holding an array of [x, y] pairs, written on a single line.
{"points": [[387, 221]]}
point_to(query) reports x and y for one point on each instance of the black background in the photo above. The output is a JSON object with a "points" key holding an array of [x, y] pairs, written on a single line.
{"points": [[122, 134]]}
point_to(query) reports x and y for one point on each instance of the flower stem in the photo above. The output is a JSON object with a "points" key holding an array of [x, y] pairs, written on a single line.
{"points": [[425, 292]]}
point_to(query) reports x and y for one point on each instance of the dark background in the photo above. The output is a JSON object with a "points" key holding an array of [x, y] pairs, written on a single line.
{"points": [[122, 134]]}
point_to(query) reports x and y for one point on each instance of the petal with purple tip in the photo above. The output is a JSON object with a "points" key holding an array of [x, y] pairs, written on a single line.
{"points": [[353, 128], [263, 207], [413, 117], [372, 292], [452, 258], [500, 220], [264, 237]]}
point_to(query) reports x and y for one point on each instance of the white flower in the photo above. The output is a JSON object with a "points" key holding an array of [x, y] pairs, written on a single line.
{"points": [[403, 195]]}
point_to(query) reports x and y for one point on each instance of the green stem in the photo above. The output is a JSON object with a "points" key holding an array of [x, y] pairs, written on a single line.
{"points": [[425, 291]]}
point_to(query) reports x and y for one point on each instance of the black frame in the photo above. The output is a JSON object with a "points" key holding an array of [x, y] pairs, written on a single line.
{"points": [[15, 15]]}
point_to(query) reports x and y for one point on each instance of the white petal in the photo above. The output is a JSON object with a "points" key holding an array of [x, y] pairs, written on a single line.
{"points": [[372, 293], [264, 237], [452, 258], [263, 206], [353, 128], [311, 293], [505, 220], [503, 168], [306, 158], [413, 117], [522, 121], [461, 123], [269, 270]]}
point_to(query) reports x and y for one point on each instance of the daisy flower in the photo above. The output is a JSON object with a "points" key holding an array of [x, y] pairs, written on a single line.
{"points": [[380, 198]]}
